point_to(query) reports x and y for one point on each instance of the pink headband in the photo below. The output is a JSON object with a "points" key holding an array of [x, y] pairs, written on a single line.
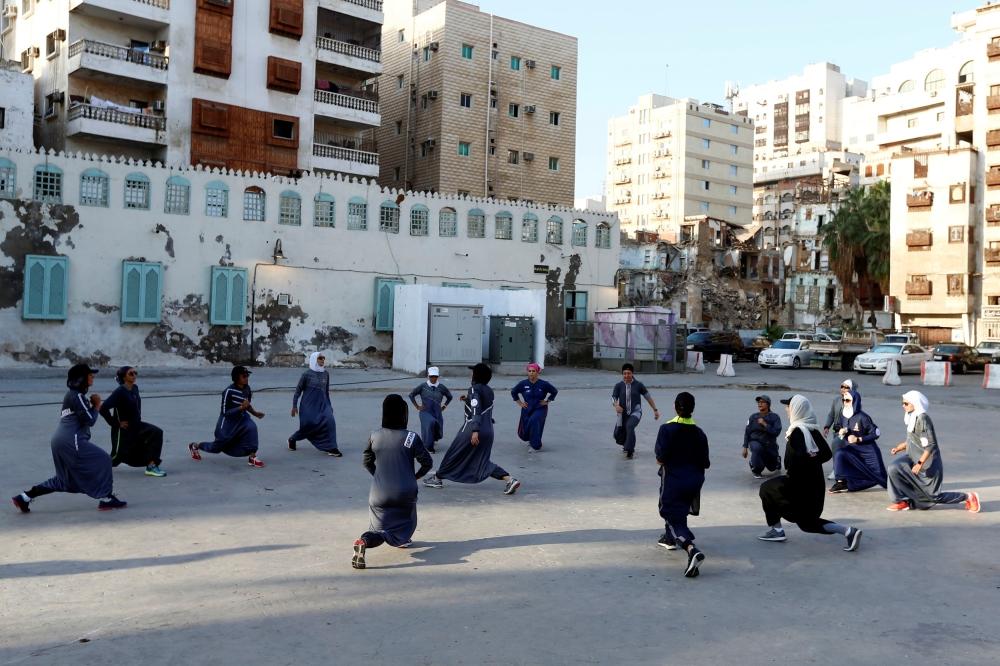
{"points": [[534, 366]]}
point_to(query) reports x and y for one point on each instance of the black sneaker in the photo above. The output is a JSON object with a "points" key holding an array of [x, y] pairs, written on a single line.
{"points": [[511, 486], [667, 542], [20, 503], [853, 539], [757, 475], [335, 453], [838, 487], [433, 482], [695, 558], [629, 455], [358, 561], [291, 446], [111, 503]]}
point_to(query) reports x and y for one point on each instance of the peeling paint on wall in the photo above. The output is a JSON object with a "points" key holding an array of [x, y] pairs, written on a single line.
{"points": [[169, 247], [38, 230], [103, 309], [183, 331]]}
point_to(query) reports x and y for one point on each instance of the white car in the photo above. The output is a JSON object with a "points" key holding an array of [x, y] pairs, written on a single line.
{"points": [[907, 358], [787, 354], [989, 349]]}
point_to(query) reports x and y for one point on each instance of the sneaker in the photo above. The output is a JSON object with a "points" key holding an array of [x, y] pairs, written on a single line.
{"points": [[898, 506], [358, 561], [430, 449], [335, 453], [193, 450], [758, 475], [772, 534], [695, 558], [838, 487], [667, 542], [111, 503], [291, 446], [629, 455], [254, 461], [433, 482], [154, 470], [971, 504], [511, 486], [22, 504], [853, 537]]}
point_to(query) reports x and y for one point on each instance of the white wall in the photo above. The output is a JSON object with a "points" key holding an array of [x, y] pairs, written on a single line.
{"points": [[18, 102]]}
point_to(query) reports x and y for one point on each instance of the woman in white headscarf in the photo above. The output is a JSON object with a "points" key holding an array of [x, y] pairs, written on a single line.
{"points": [[315, 411], [915, 478], [798, 495], [836, 442]]}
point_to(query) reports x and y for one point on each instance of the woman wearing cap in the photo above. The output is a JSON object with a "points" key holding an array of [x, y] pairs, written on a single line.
{"points": [[235, 432], [81, 465], [915, 477], [392, 500], [760, 438], [434, 399], [311, 403], [133, 441], [533, 396], [626, 398], [468, 458], [858, 464], [797, 496]]}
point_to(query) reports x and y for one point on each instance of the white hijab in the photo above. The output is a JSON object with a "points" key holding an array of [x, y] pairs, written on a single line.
{"points": [[802, 417], [920, 405], [314, 362], [849, 383]]}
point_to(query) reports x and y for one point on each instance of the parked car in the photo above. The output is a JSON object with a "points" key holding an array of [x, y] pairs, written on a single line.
{"points": [[798, 335], [786, 353], [824, 337], [989, 350], [962, 357], [906, 357], [902, 338], [712, 344]]}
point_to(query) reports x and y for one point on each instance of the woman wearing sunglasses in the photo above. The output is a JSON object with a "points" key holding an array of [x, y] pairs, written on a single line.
{"points": [[133, 441], [858, 463]]}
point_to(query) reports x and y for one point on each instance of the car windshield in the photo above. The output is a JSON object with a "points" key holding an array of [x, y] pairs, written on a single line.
{"points": [[785, 344], [988, 345], [698, 337], [887, 349], [948, 349], [897, 338]]}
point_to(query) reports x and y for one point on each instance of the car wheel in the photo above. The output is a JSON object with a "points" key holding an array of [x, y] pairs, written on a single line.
{"points": [[796, 363]]}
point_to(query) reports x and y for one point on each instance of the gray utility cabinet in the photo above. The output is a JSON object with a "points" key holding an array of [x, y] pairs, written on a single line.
{"points": [[455, 334], [512, 339]]}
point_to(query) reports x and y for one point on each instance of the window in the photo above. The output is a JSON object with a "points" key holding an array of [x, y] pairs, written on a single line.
{"points": [[703, 206], [734, 129], [553, 117], [912, 122], [706, 164], [178, 196], [399, 83], [52, 45], [48, 184], [603, 236], [45, 282], [956, 284], [705, 185], [396, 173], [427, 54], [734, 170], [733, 190], [555, 72], [385, 298], [357, 214], [956, 234], [447, 222], [216, 199], [8, 179], [466, 100], [529, 228], [734, 149], [512, 156], [706, 143], [705, 122], [388, 217], [3, 117], [137, 191], [467, 51], [141, 288], [579, 233], [457, 285], [732, 212], [934, 80], [323, 210], [515, 62], [94, 188], [513, 110], [253, 204], [505, 226], [229, 296], [554, 230], [419, 220], [576, 306], [965, 75], [553, 164], [477, 223], [290, 208], [907, 86], [399, 127], [401, 36], [463, 148]]}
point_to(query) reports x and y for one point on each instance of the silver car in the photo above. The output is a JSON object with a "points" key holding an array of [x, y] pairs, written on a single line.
{"points": [[787, 354], [907, 357]]}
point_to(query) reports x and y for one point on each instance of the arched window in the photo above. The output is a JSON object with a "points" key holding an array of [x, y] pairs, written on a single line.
{"points": [[477, 223], [177, 199], [137, 191], [935, 80], [323, 210], [254, 202], [388, 217], [907, 86], [447, 222], [357, 214], [579, 233], [529, 228], [603, 236], [504, 226], [419, 220], [216, 199], [966, 74], [95, 188], [8, 179], [554, 230], [290, 208]]}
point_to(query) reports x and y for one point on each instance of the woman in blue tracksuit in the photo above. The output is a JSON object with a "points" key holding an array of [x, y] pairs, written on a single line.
{"points": [[311, 403], [858, 464], [235, 431], [434, 399], [533, 396]]}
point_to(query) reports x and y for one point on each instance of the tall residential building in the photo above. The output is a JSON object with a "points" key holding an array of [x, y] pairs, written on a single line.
{"points": [[277, 86], [670, 158], [477, 104]]}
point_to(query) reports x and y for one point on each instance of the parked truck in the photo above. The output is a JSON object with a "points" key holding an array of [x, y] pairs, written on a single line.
{"points": [[840, 354]]}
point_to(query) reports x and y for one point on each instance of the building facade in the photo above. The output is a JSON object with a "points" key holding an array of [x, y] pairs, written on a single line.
{"points": [[275, 86], [476, 104], [16, 107]]}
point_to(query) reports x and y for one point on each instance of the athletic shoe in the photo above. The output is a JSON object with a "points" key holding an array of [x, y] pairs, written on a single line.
{"points": [[291, 446], [853, 537], [667, 542], [358, 561], [430, 449], [154, 470], [111, 503], [758, 475], [254, 461], [838, 487], [695, 558], [898, 506], [511, 486], [972, 503], [335, 453], [433, 482], [22, 504], [195, 453], [772, 534], [629, 455]]}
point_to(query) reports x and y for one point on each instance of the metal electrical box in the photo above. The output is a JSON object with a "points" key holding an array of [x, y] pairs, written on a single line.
{"points": [[455, 334], [512, 339]]}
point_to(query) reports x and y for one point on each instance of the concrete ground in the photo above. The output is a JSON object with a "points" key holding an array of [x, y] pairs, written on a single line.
{"points": [[219, 563]]}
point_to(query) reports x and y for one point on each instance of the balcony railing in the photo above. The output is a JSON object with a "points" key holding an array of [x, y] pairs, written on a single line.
{"points": [[368, 4], [922, 200], [349, 49], [921, 288], [347, 101], [158, 123], [341, 153], [115, 52], [623, 160], [993, 176]]}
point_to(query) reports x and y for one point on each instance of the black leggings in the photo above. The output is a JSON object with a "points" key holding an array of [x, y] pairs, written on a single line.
{"points": [[372, 539], [38, 491]]}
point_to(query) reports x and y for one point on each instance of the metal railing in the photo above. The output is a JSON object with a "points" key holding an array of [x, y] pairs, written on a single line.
{"points": [[158, 123], [349, 49], [341, 153], [162, 4], [369, 4], [348, 101], [115, 52], [363, 144]]}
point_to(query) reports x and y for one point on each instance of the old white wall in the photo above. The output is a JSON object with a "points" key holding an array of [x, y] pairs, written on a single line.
{"points": [[18, 101]]}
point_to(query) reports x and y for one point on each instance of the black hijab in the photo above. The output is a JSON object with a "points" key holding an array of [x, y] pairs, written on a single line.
{"points": [[481, 373], [395, 413], [76, 378]]}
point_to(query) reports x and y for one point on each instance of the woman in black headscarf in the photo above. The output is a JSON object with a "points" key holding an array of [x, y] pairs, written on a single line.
{"points": [[392, 500], [133, 441]]}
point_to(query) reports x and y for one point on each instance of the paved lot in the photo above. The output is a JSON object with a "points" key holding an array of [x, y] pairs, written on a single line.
{"points": [[220, 563]]}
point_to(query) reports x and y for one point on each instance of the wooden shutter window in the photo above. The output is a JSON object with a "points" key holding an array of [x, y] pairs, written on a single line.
{"points": [[286, 18], [213, 38], [283, 131], [284, 75], [224, 7], [209, 117]]}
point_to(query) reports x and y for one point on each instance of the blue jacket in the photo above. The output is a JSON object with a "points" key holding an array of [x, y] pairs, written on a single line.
{"points": [[766, 434]]}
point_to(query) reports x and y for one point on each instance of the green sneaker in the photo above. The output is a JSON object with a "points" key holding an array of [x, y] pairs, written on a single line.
{"points": [[154, 470]]}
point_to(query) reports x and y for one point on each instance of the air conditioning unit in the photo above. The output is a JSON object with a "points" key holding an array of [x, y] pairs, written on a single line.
{"points": [[10, 11], [432, 94], [530, 64], [59, 35], [159, 106], [434, 46], [159, 46], [528, 156], [33, 52], [529, 108]]}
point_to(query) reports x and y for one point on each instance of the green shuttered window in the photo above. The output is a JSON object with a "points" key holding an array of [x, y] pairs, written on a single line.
{"points": [[229, 296], [142, 285], [45, 281], [385, 299]]}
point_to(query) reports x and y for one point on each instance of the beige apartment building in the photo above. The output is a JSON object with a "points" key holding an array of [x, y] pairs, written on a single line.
{"points": [[671, 158], [477, 104], [274, 86]]}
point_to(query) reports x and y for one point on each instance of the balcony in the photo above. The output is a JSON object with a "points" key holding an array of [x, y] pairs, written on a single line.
{"points": [[992, 255], [114, 123], [102, 60], [622, 179], [993, 176], [921, 239], [919, 200], [660, 195], [148, 14], [919, 288], [661, 134], [349, 56], [992, 51], [351, 108], [366, 10], [329, 156], [623, 160]]}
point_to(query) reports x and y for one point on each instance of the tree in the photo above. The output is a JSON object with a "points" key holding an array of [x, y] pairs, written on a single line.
{"points": [[857, 240]]}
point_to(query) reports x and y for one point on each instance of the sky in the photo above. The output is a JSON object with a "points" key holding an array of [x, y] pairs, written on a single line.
{"points": [[688, 49]]}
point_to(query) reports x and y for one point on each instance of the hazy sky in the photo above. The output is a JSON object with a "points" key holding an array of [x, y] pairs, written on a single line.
{"points": [[626, 45]]}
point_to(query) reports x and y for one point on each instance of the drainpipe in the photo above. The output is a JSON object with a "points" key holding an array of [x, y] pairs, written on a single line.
{"points": [[489, 87]]}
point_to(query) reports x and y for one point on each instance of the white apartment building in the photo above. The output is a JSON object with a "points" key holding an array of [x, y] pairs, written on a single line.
{"points": [[276, 86], [671, 158]]}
